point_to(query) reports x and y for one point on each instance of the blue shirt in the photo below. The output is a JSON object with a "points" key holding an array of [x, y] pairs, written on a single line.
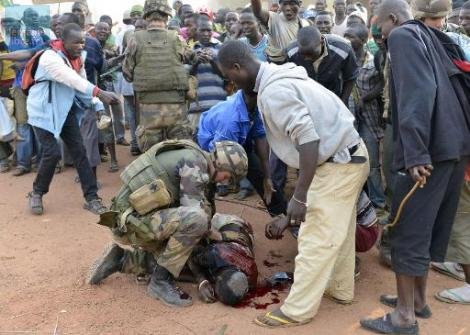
{"points": [[229, 121], [259, 50], [35, 40]]}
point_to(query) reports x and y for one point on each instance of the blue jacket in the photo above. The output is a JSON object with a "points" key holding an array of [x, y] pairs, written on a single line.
{"points": [[229, 121]]}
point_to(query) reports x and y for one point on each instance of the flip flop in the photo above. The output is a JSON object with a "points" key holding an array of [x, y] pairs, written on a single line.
{"points": [[449, 297], [391, 301], [384, 325], [446, 270], [274, 322]]}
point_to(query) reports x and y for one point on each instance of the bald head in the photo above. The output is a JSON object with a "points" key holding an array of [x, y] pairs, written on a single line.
{"points": [[391, 14]]}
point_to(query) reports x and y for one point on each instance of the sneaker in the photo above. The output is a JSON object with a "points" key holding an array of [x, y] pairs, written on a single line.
{"points": [[95, 206], [162, 287], [20, 171], [111, 261], [35, 203]]}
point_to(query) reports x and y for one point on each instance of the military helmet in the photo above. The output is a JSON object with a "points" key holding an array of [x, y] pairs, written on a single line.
{"points": [[161, 6], [431, 8], [231, 157]]}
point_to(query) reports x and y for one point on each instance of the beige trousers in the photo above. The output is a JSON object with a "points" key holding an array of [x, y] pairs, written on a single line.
{"points": [[326, 243]]}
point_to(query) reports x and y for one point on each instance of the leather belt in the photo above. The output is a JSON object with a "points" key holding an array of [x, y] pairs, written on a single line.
{"points": [[354, 159]]}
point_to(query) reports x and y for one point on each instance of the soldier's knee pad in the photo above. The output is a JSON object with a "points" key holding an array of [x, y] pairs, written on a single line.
{"points": [[195, 221]]}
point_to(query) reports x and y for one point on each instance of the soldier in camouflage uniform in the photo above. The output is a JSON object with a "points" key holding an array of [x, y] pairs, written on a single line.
{"points": [[167, 235], [154, 64]]}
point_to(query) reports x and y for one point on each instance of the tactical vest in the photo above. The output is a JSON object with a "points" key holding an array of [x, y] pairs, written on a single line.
{"points": [[149, 167], [158, 67]]}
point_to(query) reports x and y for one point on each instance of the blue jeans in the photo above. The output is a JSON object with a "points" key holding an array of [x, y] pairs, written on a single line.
{"points": [[130, 112], [27, 147], [375, 187]]}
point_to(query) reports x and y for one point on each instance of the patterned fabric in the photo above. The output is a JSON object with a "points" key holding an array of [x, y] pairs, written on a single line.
{"points": [[159, 122], [210, 89], [368, 80], [170, 235], [235, 250]]}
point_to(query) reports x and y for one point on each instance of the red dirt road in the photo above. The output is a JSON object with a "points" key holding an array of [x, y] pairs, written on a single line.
{"points": [[44, 261]]}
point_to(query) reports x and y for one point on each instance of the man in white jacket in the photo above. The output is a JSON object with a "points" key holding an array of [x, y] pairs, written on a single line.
{"points": [[310, 129], [60, 89]]}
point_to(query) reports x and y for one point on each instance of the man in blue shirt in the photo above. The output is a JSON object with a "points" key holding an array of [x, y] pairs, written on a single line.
{"points": [[237, 119]]}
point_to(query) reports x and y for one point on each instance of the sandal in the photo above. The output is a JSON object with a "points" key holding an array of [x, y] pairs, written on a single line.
{"points": [[449, 269], [391, 301], [384, 325], [271, 321], [449, 297]]}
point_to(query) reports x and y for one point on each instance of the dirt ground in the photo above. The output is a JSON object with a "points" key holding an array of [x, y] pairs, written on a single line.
{"points": [[44, 261]]}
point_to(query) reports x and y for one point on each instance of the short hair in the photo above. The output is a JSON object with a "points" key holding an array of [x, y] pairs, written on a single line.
{"points": [[247, 10], [105, 18], [69, 29], [308, 35], [231, 286], [101, 23], [70, 18], [203, 19], [360, 30], [234, 52], [324, 12], [400, 8]]}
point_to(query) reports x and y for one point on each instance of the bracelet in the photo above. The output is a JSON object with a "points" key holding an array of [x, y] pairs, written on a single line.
{"points": [[202, 283], [300, 202]]}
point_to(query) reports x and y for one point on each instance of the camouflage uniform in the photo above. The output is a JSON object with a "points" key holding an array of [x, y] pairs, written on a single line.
{"points": [[170, 235], [154, 64]]}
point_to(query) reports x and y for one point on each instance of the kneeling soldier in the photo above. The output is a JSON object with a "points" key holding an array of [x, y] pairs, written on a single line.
{"points": [[164, 208]]}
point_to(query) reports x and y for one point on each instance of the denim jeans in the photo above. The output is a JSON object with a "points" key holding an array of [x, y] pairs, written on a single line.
{"points": [[246, 185], [130, 113], [375, 188], [27, 147], [51, 154]]}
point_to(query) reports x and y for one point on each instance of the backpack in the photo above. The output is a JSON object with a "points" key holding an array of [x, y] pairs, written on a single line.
{"points": [[29, 73]]}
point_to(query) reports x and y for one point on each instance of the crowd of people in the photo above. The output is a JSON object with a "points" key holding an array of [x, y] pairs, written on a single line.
{"points": [[367, 104]]}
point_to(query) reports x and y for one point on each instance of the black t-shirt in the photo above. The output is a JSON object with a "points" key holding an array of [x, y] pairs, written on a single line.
{"points": [[336, 68]]}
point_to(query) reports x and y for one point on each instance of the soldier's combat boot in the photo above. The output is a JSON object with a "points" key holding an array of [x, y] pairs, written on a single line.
{"points": [[110, 262], [162, 287]]}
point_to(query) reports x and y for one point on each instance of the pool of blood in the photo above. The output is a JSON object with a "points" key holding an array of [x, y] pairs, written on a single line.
{"points": [[261, 291]]}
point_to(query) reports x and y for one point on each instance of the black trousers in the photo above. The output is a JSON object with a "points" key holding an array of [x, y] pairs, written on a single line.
{"points": [[423, 232], [51, 155], [255, 176]]}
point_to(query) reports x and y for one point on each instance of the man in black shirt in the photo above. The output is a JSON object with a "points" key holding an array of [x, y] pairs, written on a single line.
{"points": [[328, 59]]}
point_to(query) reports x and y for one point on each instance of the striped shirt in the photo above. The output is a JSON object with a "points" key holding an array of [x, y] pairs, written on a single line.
{"points": [[210, 89]]}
